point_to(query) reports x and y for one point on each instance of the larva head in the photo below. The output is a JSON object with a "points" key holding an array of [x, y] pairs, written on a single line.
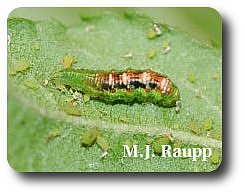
{"points": [[170, 99]]}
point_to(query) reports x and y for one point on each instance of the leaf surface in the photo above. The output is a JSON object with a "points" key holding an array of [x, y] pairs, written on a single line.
{"points": [[104, 43]]}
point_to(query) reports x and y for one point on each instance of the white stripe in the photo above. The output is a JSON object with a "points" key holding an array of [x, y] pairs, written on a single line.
{"points": [[110, 79]]}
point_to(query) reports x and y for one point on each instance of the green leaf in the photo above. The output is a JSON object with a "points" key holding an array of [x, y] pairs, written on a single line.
{"points": [[102, 42]]}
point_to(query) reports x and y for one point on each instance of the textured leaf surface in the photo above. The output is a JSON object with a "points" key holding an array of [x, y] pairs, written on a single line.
{"points": [[105, 43]]}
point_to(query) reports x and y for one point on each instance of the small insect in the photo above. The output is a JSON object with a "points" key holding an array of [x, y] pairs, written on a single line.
{"points": [[152, 53], [128, 87], [59, 85], [216, 156], [89, 137], [30, 84], [86, 98], [191, 77], [158, 142], [149, 140], [151, 34], [68, 61], [194, 126], [215, 76], [72, 110], [20, 66], [208, 124]]}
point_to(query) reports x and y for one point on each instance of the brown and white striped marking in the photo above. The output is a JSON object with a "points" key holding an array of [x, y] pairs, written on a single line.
{"points": [[134, 79]]}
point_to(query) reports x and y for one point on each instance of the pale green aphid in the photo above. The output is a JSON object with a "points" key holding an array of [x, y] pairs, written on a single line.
{"points": [[72, 110], [149, 140], [151, 34], [152, 53], [30, 84], [195, 127], [191, 77], [59, 85], [89, 137], [19, 66], [86, 98], [68, 61], [159, 141], [208, 124], [215, 76], [216, 156]]}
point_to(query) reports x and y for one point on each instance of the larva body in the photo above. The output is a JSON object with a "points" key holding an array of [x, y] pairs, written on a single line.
{"points": [[130, 86]]}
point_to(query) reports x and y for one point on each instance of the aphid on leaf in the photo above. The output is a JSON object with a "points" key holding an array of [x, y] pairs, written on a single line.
{"points": [[216, 156], [151, 34], [157, 145], [89, 137], [152, 53], [128, 87], [194, 126], [59, 85], [208, 124], [215, 76], [191, 77], [20, 66], [86, 98], [72, 110], [149, 140], [68, 61], [30, 84]]}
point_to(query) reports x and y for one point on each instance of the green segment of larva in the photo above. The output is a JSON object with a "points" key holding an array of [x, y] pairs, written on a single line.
{"points": [[128, 87]]}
